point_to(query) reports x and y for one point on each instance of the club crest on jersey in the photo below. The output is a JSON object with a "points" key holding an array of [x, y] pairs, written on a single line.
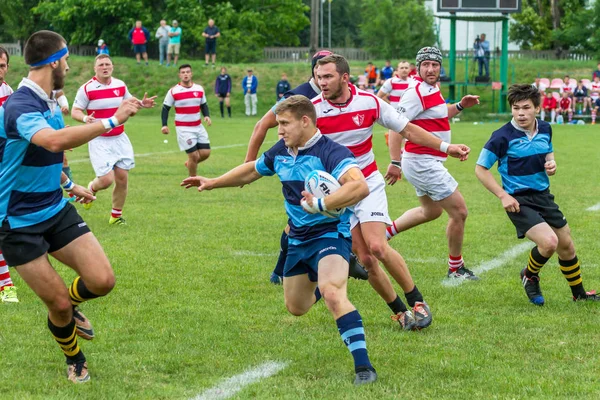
{"points": [[195, 94], [358, 119], [117, 92]]}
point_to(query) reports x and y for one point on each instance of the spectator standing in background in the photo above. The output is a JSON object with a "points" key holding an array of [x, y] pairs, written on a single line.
{"points": [[102, 47], [249, 85], [174, 43], [223, 91], [596, 72], [162, 34], [282, 86], [372, 73], [211, 33], [386, 72], [139, 36], [482, 49]]}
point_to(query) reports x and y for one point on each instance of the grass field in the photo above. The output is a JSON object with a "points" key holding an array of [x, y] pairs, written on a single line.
{"points": [[193, 305]]}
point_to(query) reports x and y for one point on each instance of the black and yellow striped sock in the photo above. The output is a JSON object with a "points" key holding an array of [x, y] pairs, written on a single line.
{"points": [[535, 263], [572, 272], [66, 337], [79, 292]]}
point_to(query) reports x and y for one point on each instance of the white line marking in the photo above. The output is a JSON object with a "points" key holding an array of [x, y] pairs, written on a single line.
{"points": [[247, 253], [229, 146], [499, 261], [236, 383], [593, 208]]}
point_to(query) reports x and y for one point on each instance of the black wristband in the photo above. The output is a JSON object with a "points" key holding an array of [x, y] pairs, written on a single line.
{"points": [[396, 163], [459, 107]]}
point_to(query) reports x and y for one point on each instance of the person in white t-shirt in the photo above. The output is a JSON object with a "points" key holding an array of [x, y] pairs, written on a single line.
{"points": [[111, 153], [189, 99]]}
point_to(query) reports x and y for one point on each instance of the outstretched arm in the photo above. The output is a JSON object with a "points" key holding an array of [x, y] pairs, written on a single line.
{"points": [[239, 176]]}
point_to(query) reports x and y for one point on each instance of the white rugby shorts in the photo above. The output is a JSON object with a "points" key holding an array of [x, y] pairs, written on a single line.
{"points": [[107, 152], [374, 207], [429, 177], [188, 137]]}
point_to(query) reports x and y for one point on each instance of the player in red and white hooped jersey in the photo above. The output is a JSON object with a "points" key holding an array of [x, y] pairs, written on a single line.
{"points": [[189, 99], [424, 105], [347, 115], [111, 154], [393, 88], [594, 96], [8, 292]]}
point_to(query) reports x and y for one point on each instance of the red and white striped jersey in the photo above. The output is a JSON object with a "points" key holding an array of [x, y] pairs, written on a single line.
{"points": [[567, 87], [565, 103], [187, 102], [425, 106], [395, 88], [102, 100], [5, 91], [351, 125], [595, 87]]}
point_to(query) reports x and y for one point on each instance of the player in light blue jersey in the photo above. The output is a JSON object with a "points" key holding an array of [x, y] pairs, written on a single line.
{"points": [[525, 156], [319, 246], [36, 221]]}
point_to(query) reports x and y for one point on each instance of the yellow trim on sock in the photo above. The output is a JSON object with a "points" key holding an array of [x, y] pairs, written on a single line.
{"points": [[72, 352], [75, 292], [531, 260], [573, 275], [575, 283], [569, 268], [66, 340]]}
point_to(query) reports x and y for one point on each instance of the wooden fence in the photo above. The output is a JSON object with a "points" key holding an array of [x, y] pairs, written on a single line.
{"points": [[14, 49], [302, 54]]}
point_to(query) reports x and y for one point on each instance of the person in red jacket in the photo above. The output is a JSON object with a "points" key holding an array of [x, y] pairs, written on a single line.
{"points": [[139, 36], [549, 105]]}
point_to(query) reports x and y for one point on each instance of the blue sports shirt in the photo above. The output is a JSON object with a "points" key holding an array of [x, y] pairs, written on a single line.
{"points": [[520, 159], [319, 153], [30, 192]]}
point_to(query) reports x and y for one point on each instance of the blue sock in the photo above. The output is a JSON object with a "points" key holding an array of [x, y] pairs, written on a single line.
{"points": [[317, 294], [351, 329], [282, 254]]}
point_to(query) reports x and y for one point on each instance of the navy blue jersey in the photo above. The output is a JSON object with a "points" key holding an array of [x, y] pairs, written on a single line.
{"points": [[30, 192], [307, 89], [520, 159], [319, 153]]}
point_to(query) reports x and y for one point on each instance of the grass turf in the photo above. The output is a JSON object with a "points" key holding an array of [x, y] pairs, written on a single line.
{"points": [[193, 305]]}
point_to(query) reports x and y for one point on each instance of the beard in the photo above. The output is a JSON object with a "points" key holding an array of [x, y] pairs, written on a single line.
{"points": [[58, 78]]}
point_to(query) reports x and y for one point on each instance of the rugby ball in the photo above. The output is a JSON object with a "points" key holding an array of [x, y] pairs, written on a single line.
{"points": [[322, 184]]}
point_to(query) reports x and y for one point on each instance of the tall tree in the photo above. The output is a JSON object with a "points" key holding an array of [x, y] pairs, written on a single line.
{"points": [[396, 28]]}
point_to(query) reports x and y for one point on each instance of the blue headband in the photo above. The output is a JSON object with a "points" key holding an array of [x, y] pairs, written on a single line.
{"points": [[54, 57]]}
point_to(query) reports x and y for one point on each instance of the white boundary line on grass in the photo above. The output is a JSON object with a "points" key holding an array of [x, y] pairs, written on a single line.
{"points": [[499, 261], [595, 207], [229, 146], [236, 383]]}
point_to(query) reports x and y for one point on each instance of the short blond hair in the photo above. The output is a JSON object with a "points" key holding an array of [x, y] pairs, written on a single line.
{"points": [[102, 56], [298, 106]]}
